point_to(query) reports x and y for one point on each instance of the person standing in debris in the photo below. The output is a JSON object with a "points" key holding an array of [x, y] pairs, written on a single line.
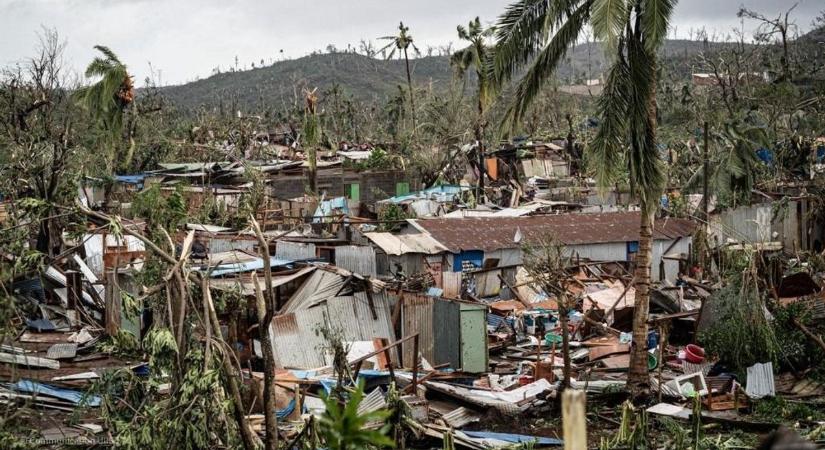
{"points": [[199, 250]]}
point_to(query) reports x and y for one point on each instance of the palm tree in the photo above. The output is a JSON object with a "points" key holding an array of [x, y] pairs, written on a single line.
{"points": [[107, 101], [401, 43], [478, 56], [538, 33], [735, 164]]}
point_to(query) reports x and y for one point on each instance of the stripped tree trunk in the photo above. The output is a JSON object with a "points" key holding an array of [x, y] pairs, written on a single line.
{"points": [[637, 379], [574, 419], [266, 310], [565, 340], [250, 440], [312, 154], [410, 87]]}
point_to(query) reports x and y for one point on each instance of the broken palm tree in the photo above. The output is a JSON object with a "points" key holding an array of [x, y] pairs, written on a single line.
{"points": [[312, 137], [266, 310]]}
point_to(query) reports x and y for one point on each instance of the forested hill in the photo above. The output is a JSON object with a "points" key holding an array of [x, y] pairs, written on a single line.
{"points": [[365, 78]]}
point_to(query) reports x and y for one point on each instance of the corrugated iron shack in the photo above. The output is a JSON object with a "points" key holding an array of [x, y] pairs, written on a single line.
{"points": [[449, 332], [488, 242]]}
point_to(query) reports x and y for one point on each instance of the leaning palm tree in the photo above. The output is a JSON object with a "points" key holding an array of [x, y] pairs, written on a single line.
{"points": [[107, 100], [539, 33], [477, 55], [401, 43]]}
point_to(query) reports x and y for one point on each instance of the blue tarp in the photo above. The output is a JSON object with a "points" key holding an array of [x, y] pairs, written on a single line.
{"points": [[365, 374], [284, 413], [69, 395], [257, 264], [131, 179], [40, 325], [513, 438], [765, 155], [444, 193]]}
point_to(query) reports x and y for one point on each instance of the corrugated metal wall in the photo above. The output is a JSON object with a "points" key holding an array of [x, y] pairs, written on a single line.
{"points": [[671, 266], [226, 244], [451, 283], [446, 320], [754, 224], [505, 257], [294, 250], [744, 224], [296, 342], [356, 258], [487, 282], [614, 251], [93, 245], [417, 317]]}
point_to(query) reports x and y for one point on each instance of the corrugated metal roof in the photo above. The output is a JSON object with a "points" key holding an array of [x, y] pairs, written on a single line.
{"points": [[247, 266], [495, 233], [401, 244], [760, 381], [247, 287], [460, 417], [356, 258], [319, 287], [442, 193], [294, 250]]}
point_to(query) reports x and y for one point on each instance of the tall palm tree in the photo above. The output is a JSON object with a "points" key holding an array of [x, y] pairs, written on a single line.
{"points": [[401, 43], [538, 33], [107, 101], [478, 56]]}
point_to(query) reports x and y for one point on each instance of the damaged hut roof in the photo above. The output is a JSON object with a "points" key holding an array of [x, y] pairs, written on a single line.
{"points": [[402, 244], [494, 233]]}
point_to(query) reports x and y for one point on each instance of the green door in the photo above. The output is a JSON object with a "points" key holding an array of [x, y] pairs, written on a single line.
{"points": [[473, 338], [355, 192], [402, 188]]}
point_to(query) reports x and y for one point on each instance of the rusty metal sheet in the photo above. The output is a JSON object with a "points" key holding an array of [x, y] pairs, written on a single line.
{"points": [[495, 233], [617, 362], [607, 350], [451, 283], [417, 317]]}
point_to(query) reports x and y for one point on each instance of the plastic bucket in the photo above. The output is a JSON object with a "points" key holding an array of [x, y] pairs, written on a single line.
{"points": [[694, 354]]}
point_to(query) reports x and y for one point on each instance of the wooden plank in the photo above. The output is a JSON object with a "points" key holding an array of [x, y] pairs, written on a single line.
{"points": [[607, 350], [617, 362], [23, 360], [44, 338], [383, 363]]}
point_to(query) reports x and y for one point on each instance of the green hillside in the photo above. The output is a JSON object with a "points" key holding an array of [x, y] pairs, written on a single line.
{"points": [[366, 78]]}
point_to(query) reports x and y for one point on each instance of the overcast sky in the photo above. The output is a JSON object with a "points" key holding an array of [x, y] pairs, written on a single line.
{"points": [[184, 39]]}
